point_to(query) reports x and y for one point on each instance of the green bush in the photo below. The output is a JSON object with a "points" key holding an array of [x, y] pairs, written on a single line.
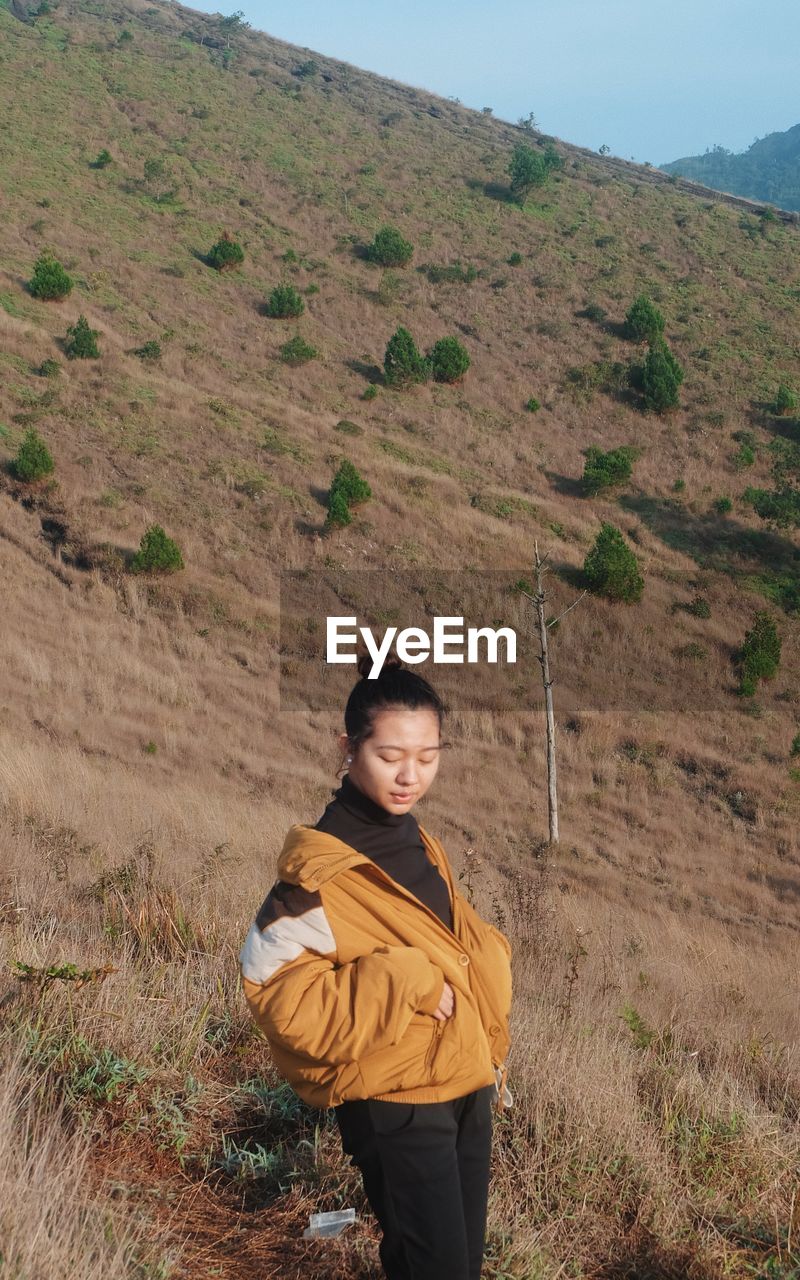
{"points": [[338, 511], [102, 159], [603, 470], [285, 303], [348, 488], [33, 460], [785, 401], [49, 280], [449, 360], [81, 341], [453, 273], [611, 569], [723, 505], [794, 750], [403, 363], [514, 260], [50, 368], [760, 654], [662, 376], [643, 322], [592, 311], [370, 392], [225, 253], [150, 350], [297, 351], [699, 607], [157, 553], [349, 428], [389, 248], [745, 457], [528, 168], [532, 405]]}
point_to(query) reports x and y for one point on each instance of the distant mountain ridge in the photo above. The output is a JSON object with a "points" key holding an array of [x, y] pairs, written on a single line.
{"points": [[768, 170]]}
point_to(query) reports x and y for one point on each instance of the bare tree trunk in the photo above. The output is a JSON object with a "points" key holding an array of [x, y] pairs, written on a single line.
{"points": [[544, 658]]}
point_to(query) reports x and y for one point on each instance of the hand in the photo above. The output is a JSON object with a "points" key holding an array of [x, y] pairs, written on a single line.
{"points": [[445, 1006]]}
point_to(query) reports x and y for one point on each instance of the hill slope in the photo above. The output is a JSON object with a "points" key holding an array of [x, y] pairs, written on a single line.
{"points": [[767, 170], [151, 756]]}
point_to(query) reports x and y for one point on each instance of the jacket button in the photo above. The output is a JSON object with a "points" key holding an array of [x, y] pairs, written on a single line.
{"points": [[463, 958]]}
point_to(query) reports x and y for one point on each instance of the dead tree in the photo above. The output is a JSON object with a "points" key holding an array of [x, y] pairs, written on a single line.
{"points": [[544, 625]]}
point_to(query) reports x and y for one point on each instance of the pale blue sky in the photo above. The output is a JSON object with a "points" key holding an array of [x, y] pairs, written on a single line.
{"points": [[652, 81]]}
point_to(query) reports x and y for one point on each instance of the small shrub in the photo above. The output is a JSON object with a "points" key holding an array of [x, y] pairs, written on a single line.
{"points": [[225, 254], [49, 281], [794, 749], [723, 505], [662, 376], [452, 273], [528, 168], [449, 360], [150, 350], [33, 460], [643, 322], [745, 457], [102, 159], [604, 470], [760, 654], [611, 568], [297, 351], [348, 488], [594, 312], [389, 248], [785, 401], [403, 363], [81, 341], [532, 405], [699, 607], [306, 70], [285, 303], [679, 485], [514, 260], [349, 428], [157, 553], [370, 392], [50, 368]]}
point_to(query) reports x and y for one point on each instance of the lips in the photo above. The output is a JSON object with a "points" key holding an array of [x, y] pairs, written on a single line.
{"points": [[400, 798]]}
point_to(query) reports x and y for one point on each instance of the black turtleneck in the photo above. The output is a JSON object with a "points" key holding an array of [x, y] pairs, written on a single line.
{"points": [[392, 840]]}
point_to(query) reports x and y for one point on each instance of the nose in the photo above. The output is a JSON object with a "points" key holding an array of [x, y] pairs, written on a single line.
{"points": [[407, 777]]}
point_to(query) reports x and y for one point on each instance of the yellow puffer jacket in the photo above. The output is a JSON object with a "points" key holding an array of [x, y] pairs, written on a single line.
{"points": [[344, 967]]}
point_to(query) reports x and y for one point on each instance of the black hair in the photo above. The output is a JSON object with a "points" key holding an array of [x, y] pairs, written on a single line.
{"points": [[394, 686]]}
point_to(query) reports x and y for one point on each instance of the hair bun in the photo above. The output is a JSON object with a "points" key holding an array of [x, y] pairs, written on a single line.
{"points": [[390, 663]]}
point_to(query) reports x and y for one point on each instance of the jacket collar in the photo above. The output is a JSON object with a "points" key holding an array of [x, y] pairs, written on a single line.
{"points": [[310, 857]]}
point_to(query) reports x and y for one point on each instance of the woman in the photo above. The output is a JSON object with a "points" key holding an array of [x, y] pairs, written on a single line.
{"points": [[382, 993]]}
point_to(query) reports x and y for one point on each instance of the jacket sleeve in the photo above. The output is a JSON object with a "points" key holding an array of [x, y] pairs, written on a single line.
{"points": [[333, 1013]]}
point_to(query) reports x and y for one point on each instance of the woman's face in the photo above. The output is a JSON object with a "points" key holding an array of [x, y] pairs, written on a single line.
{"points": [[399, 761]]}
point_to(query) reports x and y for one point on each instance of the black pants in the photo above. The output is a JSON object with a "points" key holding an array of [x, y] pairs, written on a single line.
{"points": [[425, 1168]]}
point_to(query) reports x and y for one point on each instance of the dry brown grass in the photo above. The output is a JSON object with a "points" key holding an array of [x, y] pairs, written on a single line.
{"points": [[151, 762]]}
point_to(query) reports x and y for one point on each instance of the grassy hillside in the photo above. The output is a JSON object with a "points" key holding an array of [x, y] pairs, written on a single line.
{"points": [[767, 170], [152, 757]]}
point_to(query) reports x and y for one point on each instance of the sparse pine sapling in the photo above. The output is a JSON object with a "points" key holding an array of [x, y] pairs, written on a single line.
{"points": [[389, 248], [403, 363], [348, 488], [33, 460], [662, 376], [643, 321], [285, 303], [785, 401], [449, 360], [760, 654], [49, 281], [604, 470], [226, 253], [611, 568], [81, 341], [157, 553]]}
